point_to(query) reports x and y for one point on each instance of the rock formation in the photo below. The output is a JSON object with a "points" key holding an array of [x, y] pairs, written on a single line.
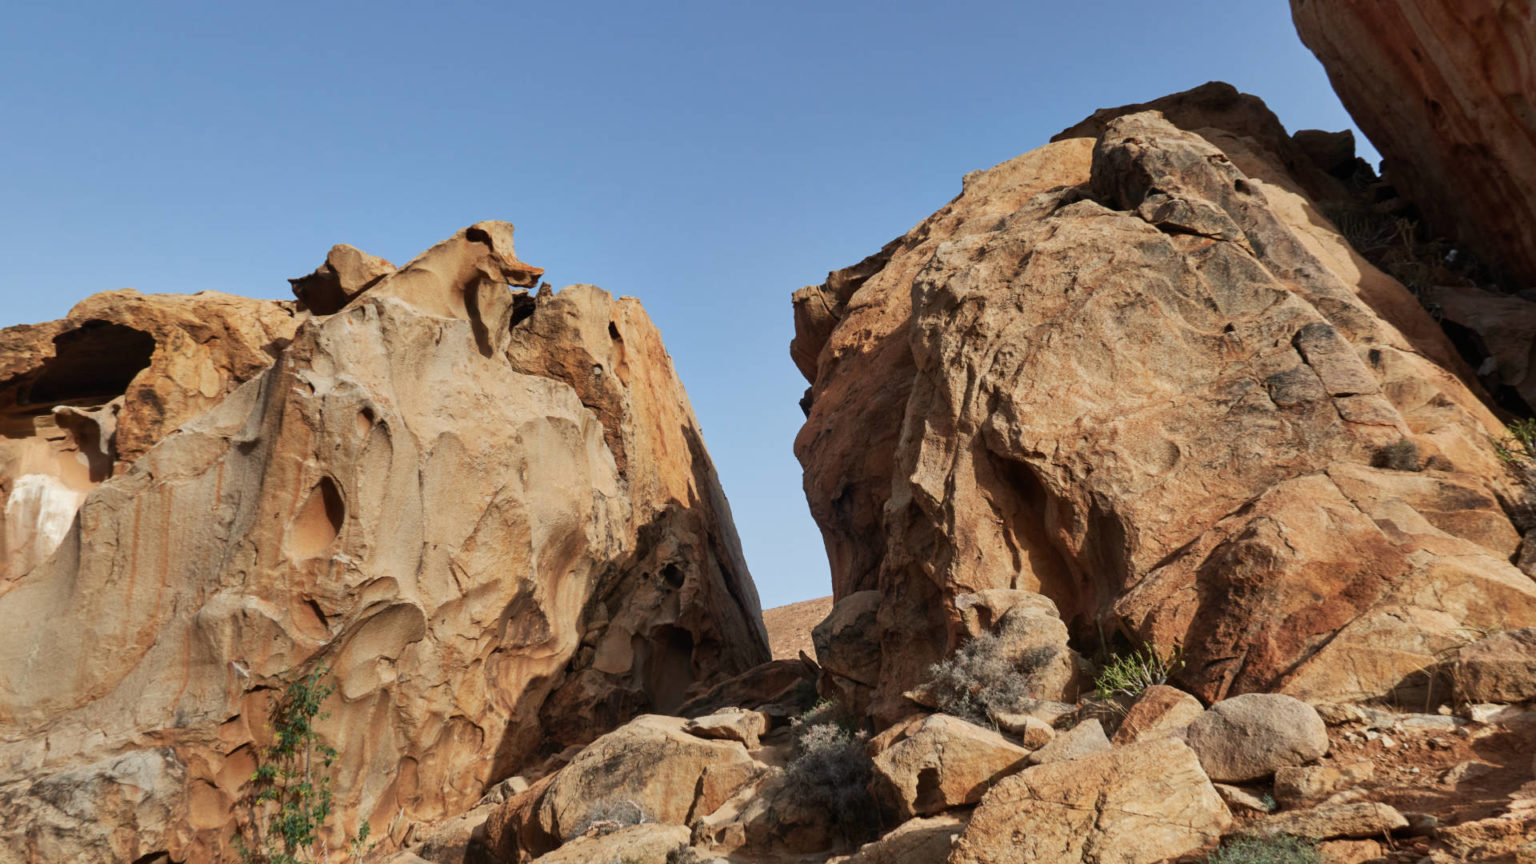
{"points": [[1140, 373], [1446, 90], [488, 512]]}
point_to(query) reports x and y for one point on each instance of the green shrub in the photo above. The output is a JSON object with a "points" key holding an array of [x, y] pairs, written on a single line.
{"points": [[1518, 446], [290, 792], [1267, 850], [1129, 674]]}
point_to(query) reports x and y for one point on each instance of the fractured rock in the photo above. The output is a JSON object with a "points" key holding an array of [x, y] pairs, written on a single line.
{"points": [[1327, 821], [1085, 739], [942, 763], [1498, 668], [1138, 804], [1159, 711]]}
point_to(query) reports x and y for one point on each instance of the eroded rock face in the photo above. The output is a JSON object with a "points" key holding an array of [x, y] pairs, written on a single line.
{"points": [[489, 513], [1446, 90], [1143, 376], [83, 397]]}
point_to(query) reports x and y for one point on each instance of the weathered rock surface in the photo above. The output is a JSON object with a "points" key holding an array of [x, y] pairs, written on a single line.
{"points": [[636, 844], [1143, 376], [1158, 712], [489, 513], [1326, 821], [83, 397], [1304, 784], [1085, 739], [941, 764], [1251, 736], [1135, 805], [1446, 90], [732, 725], [1498, 668]]}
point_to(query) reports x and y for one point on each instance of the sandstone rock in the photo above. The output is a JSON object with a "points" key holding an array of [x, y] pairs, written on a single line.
{"points": [[1224, 502], [1444, 90], [766, 687], [1158, 712], [739, 725], [915, 841], [636, 844], [650, 766], [346, 273], [122, 808], [495, 561], [1242, 799], [1138, 804], [1327, 821], [846, 645], [1031, 731], [1349, 851], [1085, 739], [1498, 668], [1251, 736], [1304, 784], [1502, 325], [767, 817], [83, 397], [943, 763]]}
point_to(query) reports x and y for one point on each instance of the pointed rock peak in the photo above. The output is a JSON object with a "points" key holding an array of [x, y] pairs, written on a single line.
{"points": [[346, 273]]}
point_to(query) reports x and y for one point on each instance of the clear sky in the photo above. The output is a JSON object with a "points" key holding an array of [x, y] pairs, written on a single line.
{"points": [[708, 157]]}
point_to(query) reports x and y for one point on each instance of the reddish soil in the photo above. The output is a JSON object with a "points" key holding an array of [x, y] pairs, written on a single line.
{"points": [[789, 627]]}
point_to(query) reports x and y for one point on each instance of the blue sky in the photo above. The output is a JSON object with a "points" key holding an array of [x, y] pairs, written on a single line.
{"points": [[706, 157]]}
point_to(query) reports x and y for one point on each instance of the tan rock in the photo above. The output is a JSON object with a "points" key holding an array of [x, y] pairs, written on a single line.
{"points": [[1031, 731], [768, 817], [1498, 668], [1030, 434], [942, 763], [847, 647], [1443, 89], [1327, 821], [1138, 804], [915, 841], [1349, 851], [1239, 798], [1305, 784], [1085, 739], [83, 397], [346, 273], [636, 844], [739, 725], [1158, 712], [1251, 736], [650, 766], [447, 524]]}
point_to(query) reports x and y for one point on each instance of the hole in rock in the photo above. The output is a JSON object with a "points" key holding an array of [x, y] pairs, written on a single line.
{"points": [[318, 522], [93, 363]]}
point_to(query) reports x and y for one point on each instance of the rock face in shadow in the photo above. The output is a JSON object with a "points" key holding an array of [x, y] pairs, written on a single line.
{"points": [[490, 513], [1142, 375], [1446, 90]]}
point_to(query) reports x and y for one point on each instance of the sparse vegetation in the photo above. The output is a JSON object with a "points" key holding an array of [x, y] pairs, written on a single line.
{"points": [[684, 855], [1267, 850], [606, 817], [1129, 674], [290, 798], [830, 770], [1401, 455], [981, 680], [1518, 446]]}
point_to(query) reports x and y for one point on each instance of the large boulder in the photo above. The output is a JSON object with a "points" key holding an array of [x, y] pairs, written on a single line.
{"points": [[940, 764], [1251, 736], [489, 513], [1445, 89], [1137, 804], [1140, 374], [1498, 668], [916, 841]]}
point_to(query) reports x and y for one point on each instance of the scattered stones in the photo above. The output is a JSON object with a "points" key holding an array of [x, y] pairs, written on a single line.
{"points": [[1298, 785], [740, 724], [1250, 736]]}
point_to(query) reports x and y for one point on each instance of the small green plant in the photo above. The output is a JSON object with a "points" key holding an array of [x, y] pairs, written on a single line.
{"points": [[1129, 674], [1518, 446], [1401, 455], [1283, 849], [290, 790]]}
